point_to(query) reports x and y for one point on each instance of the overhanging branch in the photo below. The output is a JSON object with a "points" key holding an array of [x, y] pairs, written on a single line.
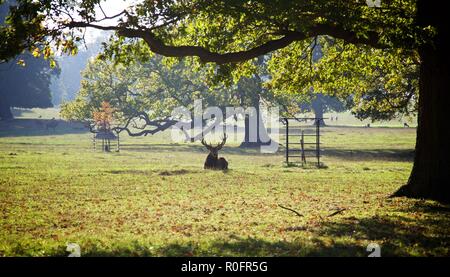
{"points": [[205, 55], [159, 125]]}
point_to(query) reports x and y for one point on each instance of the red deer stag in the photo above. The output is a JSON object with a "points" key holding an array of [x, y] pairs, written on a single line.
{"points": [[213, 161]]}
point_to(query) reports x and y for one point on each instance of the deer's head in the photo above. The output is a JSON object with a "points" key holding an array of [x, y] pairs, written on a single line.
{"points": [[214, 150]]}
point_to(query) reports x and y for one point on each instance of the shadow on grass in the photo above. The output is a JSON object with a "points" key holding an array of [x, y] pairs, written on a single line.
{"points": [[371, 154], [151, 172], [400, 235], [187, 147], [397, 235], [236, 247], [346, 154], [404, 155], [431, 208]]}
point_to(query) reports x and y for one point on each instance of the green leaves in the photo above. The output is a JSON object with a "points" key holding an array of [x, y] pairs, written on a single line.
{"points": [[381, 84]]}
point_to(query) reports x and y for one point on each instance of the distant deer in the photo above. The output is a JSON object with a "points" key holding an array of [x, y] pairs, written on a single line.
{"points": [[213, 161], [405, 125], [51, 124]]}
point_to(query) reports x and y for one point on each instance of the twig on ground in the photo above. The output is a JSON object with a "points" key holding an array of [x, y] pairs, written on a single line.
{"points": [[289, 209], [337, 212]]}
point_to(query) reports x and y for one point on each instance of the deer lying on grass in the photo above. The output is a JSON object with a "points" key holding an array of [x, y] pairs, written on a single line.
{"points": [[213, 161]]}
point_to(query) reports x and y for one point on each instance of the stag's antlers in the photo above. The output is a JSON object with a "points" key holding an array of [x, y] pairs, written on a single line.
{"points": [[208, 146], [219, 145], [224, 139]]}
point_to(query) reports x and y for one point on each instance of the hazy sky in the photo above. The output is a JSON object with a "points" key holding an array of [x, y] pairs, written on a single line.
{"points": [[111, 7]]}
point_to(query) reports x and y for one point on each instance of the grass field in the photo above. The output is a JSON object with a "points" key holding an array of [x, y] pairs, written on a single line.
{"points": [[154, 198]]}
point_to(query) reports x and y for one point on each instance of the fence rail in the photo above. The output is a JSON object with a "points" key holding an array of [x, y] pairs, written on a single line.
{"points": [[313, 136]]}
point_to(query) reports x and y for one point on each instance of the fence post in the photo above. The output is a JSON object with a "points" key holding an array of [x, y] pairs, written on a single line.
{"points": [[302, 143], [118, 142], [318, 141], [287, 141]]}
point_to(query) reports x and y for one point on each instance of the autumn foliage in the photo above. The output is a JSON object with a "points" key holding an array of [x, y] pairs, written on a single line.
{"points": [[104, 117]]}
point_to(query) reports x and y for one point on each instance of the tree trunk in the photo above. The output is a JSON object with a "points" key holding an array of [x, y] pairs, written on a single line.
{"points": [[5, 111], [318, 108], [192, 128], [263, 134], [430, 176]]}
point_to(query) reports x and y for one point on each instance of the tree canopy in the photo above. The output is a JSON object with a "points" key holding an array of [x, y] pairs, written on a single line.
{"points": [[222, 31], [151, 90], [232, 34], [25, 81], [25, 86]]}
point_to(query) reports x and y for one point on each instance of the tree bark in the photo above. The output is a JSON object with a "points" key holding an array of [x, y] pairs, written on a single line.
{"points": [[259, 133], [5, 111], [430, 176], [318, 108]]}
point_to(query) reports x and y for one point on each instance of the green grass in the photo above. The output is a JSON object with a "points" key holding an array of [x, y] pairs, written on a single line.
{"points": [[347, 119], [48, 113], [154, 199]]}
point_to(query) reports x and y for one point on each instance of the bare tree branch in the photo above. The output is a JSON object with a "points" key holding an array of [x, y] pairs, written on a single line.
{"points": [[159, 126], [292, 210]]}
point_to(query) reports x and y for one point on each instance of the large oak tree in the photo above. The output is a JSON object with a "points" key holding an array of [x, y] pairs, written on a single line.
{"points": [[229, 33]]}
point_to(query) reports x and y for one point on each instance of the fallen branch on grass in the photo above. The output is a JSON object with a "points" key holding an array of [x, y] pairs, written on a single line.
{"points": [[289, 209], [337, 212]]}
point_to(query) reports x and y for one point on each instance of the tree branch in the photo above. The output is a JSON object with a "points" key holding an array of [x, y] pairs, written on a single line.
{"points": [[292, 210], [160, 125], [205, 55]]}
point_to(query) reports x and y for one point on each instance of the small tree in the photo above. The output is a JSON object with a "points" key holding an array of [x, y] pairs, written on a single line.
{"points": [[104, 117], [102, 125]]}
